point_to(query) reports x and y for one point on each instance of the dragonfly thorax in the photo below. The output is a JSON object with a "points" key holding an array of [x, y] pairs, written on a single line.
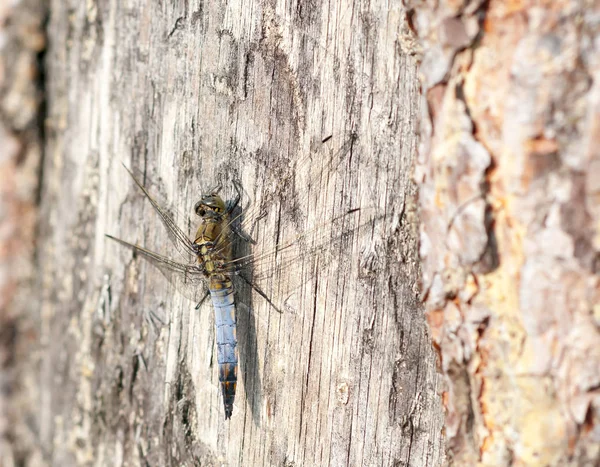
{"points": [[212, 238]]}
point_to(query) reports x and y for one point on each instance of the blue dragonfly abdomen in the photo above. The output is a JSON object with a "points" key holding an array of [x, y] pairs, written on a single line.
{"points": [[221, 292]]}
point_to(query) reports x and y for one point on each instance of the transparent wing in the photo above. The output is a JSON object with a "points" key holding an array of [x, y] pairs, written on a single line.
{"points": [[179, 238], [188, 279], [321, 167], [317, 239], [299, 256], [266, 261]]}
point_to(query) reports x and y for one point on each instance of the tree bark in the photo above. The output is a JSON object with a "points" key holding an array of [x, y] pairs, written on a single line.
{"points": [[190, 94], [509, 192], [22, 40]]}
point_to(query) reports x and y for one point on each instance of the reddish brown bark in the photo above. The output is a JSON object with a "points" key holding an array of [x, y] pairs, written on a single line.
{"points": [[509, 175], [22, 39]]}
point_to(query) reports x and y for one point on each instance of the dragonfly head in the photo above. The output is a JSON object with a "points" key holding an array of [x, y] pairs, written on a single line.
{"points": [[210, 207]]}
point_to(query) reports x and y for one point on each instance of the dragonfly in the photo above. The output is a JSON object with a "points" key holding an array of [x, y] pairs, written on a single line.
{"points": [[211, 267]]}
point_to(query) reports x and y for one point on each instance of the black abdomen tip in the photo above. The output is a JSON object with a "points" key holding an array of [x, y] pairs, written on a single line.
{"points": [[228, 390]]}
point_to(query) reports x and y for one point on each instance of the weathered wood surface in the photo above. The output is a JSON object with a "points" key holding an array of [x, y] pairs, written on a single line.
{"points": [[189, 93], [509, 176]]}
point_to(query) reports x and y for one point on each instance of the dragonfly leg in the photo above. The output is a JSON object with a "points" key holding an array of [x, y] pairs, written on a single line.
{"points": [[234, 204], [203, 300], [216, 189], [261, 293], [231, 208], [243, 235]]}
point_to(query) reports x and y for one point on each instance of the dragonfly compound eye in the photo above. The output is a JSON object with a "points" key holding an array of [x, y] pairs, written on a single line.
{"points": [[209, 205], [200, 209], [213, 203]]}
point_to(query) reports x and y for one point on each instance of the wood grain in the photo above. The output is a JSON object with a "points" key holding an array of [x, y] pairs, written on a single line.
{"points": [[191, 94]]}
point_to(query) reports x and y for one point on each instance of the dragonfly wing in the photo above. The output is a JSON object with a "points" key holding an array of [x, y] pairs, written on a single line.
{"points": [[179, 238], [320, 167], [277, 268], [300, 256], [186, 278]]}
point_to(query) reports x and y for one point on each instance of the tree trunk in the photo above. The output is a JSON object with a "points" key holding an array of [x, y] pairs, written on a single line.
{"points": [[22, 40], [190, 94], [509, 190]]}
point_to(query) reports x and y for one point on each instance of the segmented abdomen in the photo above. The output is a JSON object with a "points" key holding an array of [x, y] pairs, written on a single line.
{"points": [[221, 292]]}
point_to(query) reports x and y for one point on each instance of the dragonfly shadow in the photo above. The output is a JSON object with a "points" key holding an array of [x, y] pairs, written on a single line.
{"points": [[246, 321]]}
